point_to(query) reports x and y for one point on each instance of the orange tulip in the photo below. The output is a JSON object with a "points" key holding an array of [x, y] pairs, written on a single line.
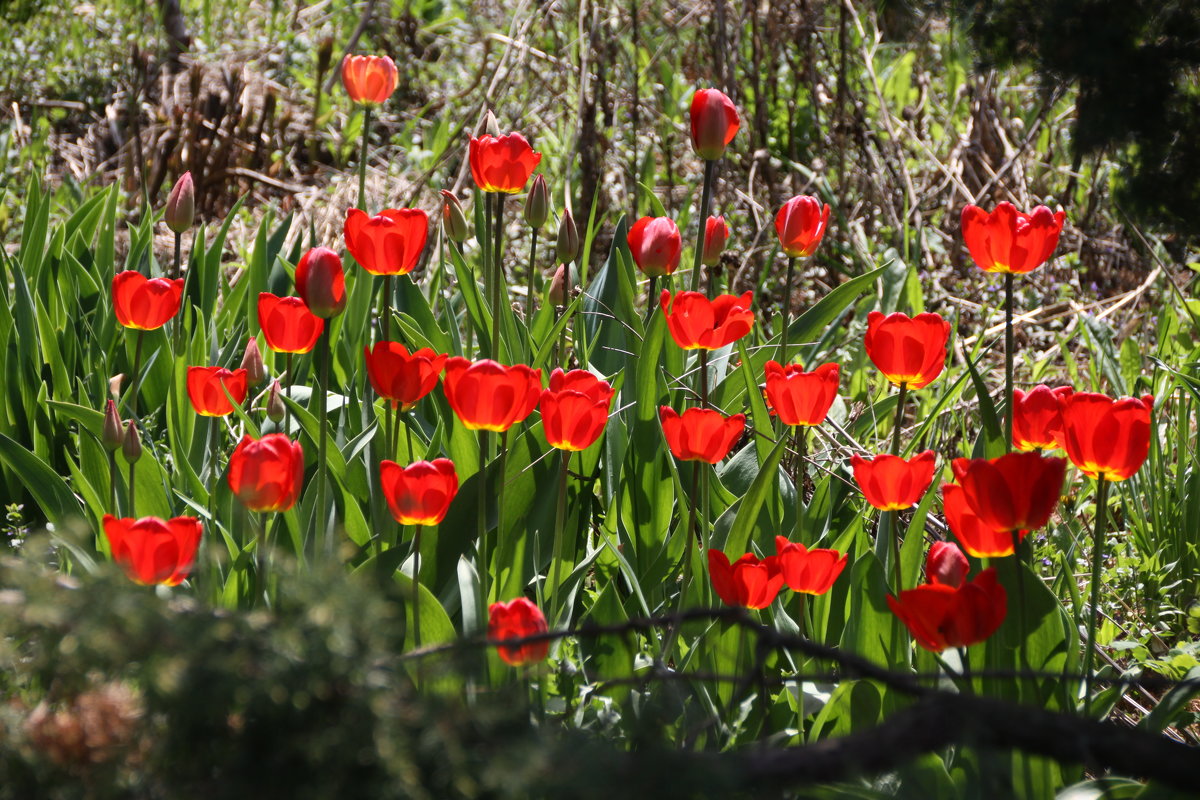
{"points": [[502, 163], [655, 244], [697, 323], [808, 571], [1106, 438], [747, 582], [940, 616], [369, 80], [714, 123], [151, 550], [267, 474], [287, 324], [798, 397], [400, 376], [489, 396], [518, 619], [700, 434], [145, 303], [389, 243], [1037, 417], [891, 483], [909, 351], [800, 225], [204, 388], [575, 409], [1007, 240], [421, 493]]}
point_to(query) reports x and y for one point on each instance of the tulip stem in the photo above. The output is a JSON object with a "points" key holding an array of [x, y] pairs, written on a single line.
{"points": [[500, 491], [800, 477], [177, 325], [705, 469], [385, 315], [287, 389], [323, 445], [532, 261], [560, 522], [703, 378], [1019, 564], [893, 525], [112, 479], [137, 375], [710, 172], [498, 289], [1097, 560], [651, 299], [481, 519], [416, 584], [1009, 354], [899, 426], [362, 159], [787, 310]]}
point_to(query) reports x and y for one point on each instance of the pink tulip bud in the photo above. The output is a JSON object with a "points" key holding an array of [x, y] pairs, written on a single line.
{"points": [[181, 204], [558, 286], [111, 434], [275, 407], [252, 362], [132, 446], [946, 564], [568, 238], [454, 221], [537, 203]]}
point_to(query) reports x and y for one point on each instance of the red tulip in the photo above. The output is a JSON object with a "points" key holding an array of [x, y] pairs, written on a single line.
{"points": [[940, 616], [204, 389], [369, 79], [400, 376], [1015, 492], [502, 163], [655, 245], [321, 282], [419, 494], [808, 571], [145, 303], [489, 396], [798, 397], [716, 233], [697, 323], [389, 243], [1037, 417], [909, 351], [714, 123], [267, 474], [976, 536], [575, 409], [800, 225], [747, 582], [151, 550], [287, 324], [946, 565], [890, 483], [518, 619], [1007, 240], [700, 434], [1106, 438]]}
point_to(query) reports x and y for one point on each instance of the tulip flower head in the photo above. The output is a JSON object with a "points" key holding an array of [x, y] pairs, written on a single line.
{"points": [[714, 123], [287, 324], [976, 536], [389, 243], [891, 483], [575, 409], [181, 204], [697, 323], [486, 395], [808, 571], [537, 203], [152, 550], [1007, 240], [143, 303], [798, 397], [502, 163], [112, 432], [747, 582], [800, 225], [518, 619], [1016, 492], [1106, 438], [369, 80], [1037, 417], [454, 221], [716, 233], [907, 350], [206, 388], [558, 286], [267, 474], [939, 615], [402, 377], [276, 410], [946, 565], [656, 245], [321, 282], [700, 434], [419, 494], [252, 362], [567, 245]]}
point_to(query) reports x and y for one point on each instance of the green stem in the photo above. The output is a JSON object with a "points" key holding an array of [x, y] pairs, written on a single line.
{"points": [[481, 520], [560, 522], [894, 529], [412, 453], [1097, 561], [787, 310], [137, 375], [1009, 355], [500, 489], [112, 479], [800, 477], [132, 483], [899, 419], [703, 378], [260, 554], [498, 288], [710, 171], [1019, 563], [385, 315], [287, 389], [532, 262], [651, 299], [178, 323], [416, 580], [323, 445], [704, 525], [362, 160]]}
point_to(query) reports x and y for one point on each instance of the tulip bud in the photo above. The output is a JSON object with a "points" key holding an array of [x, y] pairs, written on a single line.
{"points": [[132, 446], [537, 203], [714, 123], [490, 126], [114, 385], [558, 286], [321, 282], [454, 221], [946, 564], [275, 407], [181, 204], [252, 362], [716, 233], [568, 238], [111, 434]]}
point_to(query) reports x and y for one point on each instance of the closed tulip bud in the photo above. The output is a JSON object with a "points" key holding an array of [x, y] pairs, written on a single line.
{"points": [[275, 407], [490, 126], [131, 447], [537, 203], [454, 221], [716, 233], [321, 282], [181, 204], [114, 385], [946, 565], [568, 238], [558, 286], [714, 123], [111, 434], [252, 362]]}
